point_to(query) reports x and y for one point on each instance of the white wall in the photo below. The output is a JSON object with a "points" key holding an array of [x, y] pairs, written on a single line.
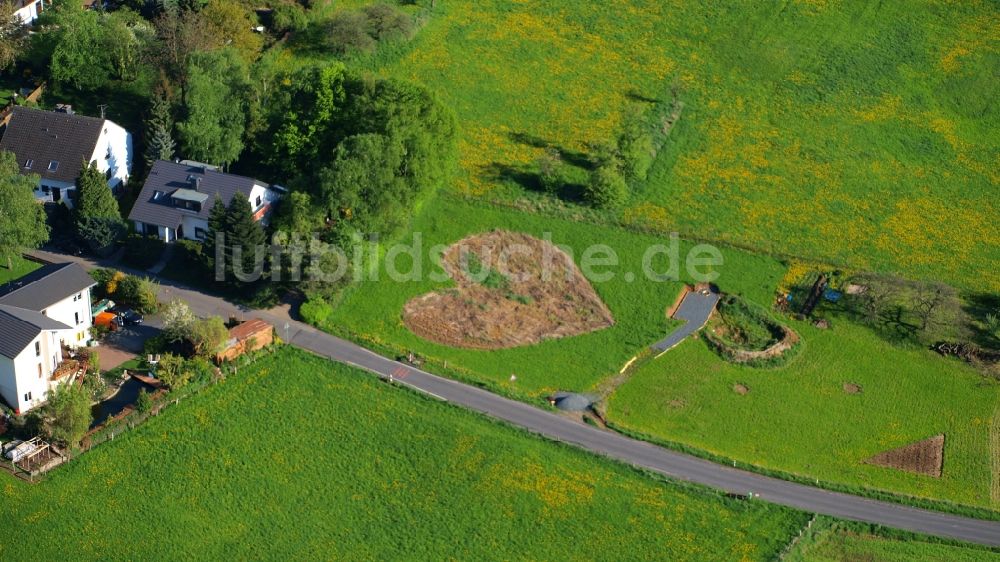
{"points": [[20, 383], [66, 195], [74, 311], [267, 198], [190, 225], [114, 152], [163, 233], [29, 13]]}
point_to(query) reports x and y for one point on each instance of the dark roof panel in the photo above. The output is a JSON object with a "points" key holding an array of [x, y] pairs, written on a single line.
{"points": [[46, 286], [44, 137], [184, 181], [19, 327]]}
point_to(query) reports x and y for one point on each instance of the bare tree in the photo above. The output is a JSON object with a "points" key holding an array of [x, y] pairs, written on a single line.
{"points": [[879, 294], [929, 300]]}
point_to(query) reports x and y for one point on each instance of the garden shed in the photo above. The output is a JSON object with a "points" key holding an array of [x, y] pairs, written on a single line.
{"points": [[244, 337]]}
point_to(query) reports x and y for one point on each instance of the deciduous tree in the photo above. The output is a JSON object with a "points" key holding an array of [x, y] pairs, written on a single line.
{"points": [[67, 414], [214, 107], [22, 219], [208, 335], [13, 35]]}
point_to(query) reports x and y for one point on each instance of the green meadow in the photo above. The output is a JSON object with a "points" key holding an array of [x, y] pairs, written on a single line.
{"points": [[854, 133], [841, 545], [302, 458], [370, 310], [799, 419], [796, 419]]}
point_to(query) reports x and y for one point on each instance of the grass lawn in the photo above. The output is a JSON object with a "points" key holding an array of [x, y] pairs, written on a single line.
{"points": [[301, 458], [21, 268], [799, 419], [863, 133], [372, 309], [845, 546]]}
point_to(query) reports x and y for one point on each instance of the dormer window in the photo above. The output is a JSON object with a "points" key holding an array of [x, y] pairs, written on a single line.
{"points": [[28, 164], [53, 165]]}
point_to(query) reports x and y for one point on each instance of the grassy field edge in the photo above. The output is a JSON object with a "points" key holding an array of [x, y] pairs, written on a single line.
{"points": [[881, 495]]}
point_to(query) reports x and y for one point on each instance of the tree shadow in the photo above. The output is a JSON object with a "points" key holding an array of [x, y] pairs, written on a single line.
{"points": [[572, 157], [977, 306], [530, 180], [636, 95]]}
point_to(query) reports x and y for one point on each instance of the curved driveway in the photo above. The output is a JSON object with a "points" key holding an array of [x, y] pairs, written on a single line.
{"points": [[694, 310], [638, 453]]}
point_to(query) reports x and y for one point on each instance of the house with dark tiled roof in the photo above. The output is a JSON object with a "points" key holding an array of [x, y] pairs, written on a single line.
{"points": [[54, 145], [177, 198], [41, 314]]}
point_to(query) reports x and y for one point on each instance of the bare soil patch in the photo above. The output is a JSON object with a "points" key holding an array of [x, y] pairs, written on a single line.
{"points": [[512, 290], [741, 389], [851, 388], [922, 457]]}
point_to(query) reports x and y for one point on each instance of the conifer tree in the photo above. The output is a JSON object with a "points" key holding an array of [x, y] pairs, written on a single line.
{"points": [[159, 142]]}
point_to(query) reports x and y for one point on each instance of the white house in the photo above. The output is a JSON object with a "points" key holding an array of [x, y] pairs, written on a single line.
{"points": [[56, 144], [40, 314], [29, 10], [177, 198]]}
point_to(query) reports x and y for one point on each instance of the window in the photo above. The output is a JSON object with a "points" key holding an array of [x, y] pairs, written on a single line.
{"points": [[38, 349], [39, 370], [200, 233], [76, 316], [29, 163], [27, 397], [53, 165], [258, 200], [157, 195]]}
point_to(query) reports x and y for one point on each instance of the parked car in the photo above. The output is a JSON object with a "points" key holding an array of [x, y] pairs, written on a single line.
{"points": [[127, 317]]}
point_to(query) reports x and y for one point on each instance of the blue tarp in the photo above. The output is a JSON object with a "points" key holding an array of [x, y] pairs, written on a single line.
{"points": [[831, 295]]}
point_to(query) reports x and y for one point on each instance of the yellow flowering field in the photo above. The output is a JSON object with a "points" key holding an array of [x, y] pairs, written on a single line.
{"points": [[858, 133]]}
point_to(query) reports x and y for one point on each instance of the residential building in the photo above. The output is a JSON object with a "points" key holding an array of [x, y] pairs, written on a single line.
{"points": [[177, 198], [41, 315], [29, 10], [56, 144]]}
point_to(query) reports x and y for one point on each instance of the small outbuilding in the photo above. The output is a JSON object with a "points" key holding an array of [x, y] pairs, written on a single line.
{"points": [[245, 337]]}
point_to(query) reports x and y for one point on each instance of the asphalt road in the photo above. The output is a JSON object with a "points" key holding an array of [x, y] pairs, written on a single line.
{"points": [[694, 311], [638, 453]]}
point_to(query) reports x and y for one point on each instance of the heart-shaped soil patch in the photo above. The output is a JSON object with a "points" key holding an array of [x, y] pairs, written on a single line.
{"points": [[512, 290]]}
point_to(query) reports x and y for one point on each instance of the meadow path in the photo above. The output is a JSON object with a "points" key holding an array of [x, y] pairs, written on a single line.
{"points": [[638, 453]]}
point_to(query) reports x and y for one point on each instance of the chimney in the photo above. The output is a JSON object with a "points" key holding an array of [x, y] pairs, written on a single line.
{"points": [[196, 183]]}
